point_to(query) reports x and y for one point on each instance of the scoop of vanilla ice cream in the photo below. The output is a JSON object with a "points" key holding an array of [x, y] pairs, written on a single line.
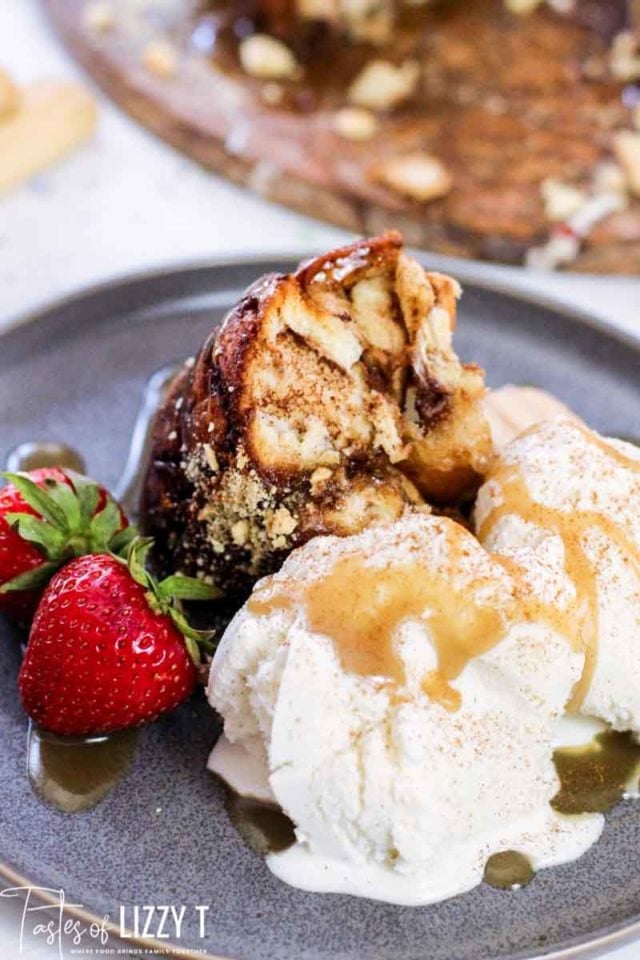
{"points": [[575, 534], [398, 791], [512, 409]]}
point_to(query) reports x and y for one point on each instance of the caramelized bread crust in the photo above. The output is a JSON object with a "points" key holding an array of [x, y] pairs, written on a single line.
{"points": [[330, 399]]}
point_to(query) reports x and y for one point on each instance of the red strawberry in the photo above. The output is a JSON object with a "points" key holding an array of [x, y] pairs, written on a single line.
{"points": [[48, 516], [109, 646]]}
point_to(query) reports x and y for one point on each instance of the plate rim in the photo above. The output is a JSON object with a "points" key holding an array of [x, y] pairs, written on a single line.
{"points": [[586, 946], [462, 270]]}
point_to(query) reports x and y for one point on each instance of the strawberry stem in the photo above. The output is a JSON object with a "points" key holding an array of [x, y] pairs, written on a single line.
{"points": [[66, 524], [166, 596]]}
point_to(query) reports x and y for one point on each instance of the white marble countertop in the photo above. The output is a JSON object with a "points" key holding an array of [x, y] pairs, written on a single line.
{"points": [[126, 202]]}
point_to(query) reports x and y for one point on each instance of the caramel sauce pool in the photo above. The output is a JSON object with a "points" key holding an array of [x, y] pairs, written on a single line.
{"points": [[31, 456], [509, 870], [595, 777], [263, 826], [76, 773]]}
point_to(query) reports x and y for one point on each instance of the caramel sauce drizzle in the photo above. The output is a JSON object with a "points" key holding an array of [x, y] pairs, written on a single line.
{"points": [[360, 606], [629, 463]]}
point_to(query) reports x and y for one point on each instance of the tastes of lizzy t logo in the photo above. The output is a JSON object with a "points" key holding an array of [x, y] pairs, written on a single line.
{"points": [[48, 923]]}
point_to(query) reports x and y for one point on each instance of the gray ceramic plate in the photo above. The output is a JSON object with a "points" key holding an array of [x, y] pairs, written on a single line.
{"points": [[76, 373]]}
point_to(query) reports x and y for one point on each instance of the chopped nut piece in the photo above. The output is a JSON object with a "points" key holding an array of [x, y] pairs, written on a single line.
{"points": [[9, 96], [564, 243], [522, 7], [370, 21], [595, 67], [318, 478], [99, 16], [210, 457], [597, 208], [496, 104], [240, 532], [329, 458], [624, 58], [563, 7], [382, 85], [354, 123], [417, 175], [626, 146], [609, 177], [525, 7], [316, 9], [161, 58], [280, 523], [561, 200], [558, 250], [267, 58]]}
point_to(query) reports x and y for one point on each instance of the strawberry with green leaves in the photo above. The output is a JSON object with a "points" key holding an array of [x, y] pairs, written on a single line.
{"points": [[47, 517], [110, 646]]}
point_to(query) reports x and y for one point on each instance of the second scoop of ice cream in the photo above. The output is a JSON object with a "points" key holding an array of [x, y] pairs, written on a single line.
{"points": [[561, 505]]}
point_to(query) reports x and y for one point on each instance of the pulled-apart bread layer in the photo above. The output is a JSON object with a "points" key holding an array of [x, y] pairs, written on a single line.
{"points": [[330, 399]]}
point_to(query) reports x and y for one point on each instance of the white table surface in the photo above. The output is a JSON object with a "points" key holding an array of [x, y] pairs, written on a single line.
{"points": [[126, 202]]}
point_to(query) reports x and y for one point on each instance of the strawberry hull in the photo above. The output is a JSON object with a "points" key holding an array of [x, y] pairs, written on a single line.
{"points": [[23, 555], [17, 556]]}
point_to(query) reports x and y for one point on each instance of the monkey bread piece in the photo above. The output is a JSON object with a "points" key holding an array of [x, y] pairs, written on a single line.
{"points": [[329, 400]]}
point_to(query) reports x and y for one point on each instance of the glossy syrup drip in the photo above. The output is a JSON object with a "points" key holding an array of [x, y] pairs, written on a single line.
{"points": [[596, 776], [360, 607], [508, 870], [76, 773], [129, 486], [263, 826], [31, 456]]}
